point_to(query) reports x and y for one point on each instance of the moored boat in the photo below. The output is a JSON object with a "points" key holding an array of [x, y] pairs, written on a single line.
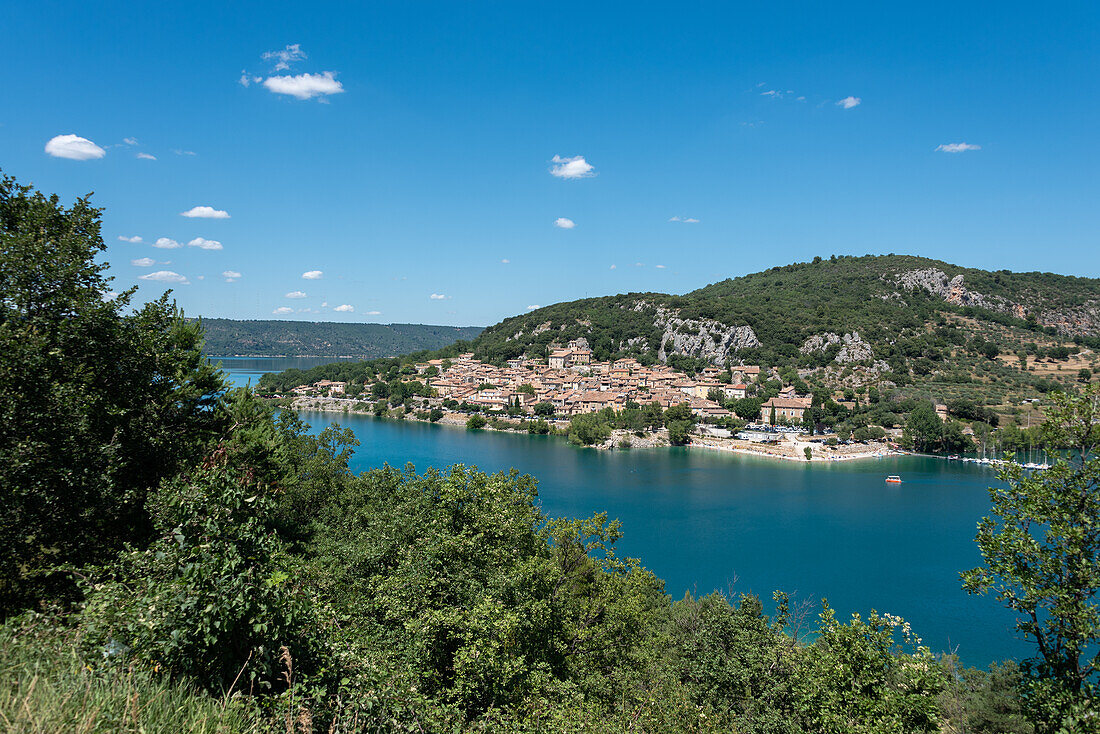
{"points": [[893, 479]]}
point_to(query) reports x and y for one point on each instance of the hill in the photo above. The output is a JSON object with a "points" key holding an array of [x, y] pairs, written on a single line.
{"points": [[786, 313], [892, 320], [933, 329], [270, 338]]}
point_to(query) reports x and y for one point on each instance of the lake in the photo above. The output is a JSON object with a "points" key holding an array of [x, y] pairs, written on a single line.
{"points": [[703, 520], [245, 370]]}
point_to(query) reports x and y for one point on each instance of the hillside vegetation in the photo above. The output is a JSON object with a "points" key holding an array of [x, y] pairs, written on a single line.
{"points": [[270, 338], [845, 322], [882, 298]]}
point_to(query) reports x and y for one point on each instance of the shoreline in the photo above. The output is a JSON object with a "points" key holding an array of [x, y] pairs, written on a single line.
{"points": [[786, 450]]}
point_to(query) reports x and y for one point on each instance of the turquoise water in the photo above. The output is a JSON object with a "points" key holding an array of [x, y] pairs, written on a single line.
{"points": [[245, 370], [704, 520]]}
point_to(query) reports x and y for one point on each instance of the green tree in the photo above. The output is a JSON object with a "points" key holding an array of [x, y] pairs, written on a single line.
{"points": [[475, 422], [679, 432], [544, 409], [96, 406], [1041, 553], [924, 427], [587, 429]]}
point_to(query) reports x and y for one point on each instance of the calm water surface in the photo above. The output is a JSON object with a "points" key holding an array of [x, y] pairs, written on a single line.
{"points": [[245, 370], [703, 520]]}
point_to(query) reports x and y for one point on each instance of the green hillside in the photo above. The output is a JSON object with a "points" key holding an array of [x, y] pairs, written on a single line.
{"points": [[228, 337], [881, 298]]}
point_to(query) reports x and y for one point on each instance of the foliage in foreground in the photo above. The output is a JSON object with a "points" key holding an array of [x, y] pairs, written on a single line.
{"points": [[47, 684], [234, 575]]}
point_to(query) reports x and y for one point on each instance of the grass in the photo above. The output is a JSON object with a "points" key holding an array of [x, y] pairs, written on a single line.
{"points": [[47, 685]]}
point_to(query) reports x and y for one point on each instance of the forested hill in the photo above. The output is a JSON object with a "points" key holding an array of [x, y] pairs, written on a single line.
{"points": [[228, 337], [846, 309]]}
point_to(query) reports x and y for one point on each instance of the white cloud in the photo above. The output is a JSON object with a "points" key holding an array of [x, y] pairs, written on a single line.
{"points": [[165, 243], [231, 276], [205, 212], [533, 307], [143, 262], [177, 151], [313, 274], [305, 86], [612, 267], [575, 167], [201, 277], [639, 265], [564, 223], [849, 102], [437, 296], [73, 147], [957, 147], [344, 308], [506, 261], [146, 157], [324, 304], [771, 93], [659, 267], [135, 240], [165, 276], [293, 52], [684, 220], [205, 244], [296, 294], [130, 141], [283, 310]]}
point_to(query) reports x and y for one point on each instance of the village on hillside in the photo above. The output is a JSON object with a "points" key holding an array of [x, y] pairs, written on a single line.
{"points": [[568, 385], [571, 382]]}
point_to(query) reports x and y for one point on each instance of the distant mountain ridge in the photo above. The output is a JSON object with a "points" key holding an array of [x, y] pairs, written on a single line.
{"points": [[272, 338]]}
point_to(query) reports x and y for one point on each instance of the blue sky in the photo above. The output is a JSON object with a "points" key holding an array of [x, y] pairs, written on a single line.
{"points": [[406, 149]]}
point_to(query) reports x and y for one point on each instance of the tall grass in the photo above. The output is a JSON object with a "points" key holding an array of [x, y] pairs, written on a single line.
{"points": [[47, 685]]}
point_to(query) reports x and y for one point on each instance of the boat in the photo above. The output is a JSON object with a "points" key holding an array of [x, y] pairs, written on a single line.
{"points": [[893, 479]]}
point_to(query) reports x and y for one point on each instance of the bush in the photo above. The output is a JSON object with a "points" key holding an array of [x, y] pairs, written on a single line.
{"points": [[213, 596], [475, 422], [588, 429]]}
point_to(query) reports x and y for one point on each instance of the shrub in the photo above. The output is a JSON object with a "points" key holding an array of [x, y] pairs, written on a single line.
{"points": [[213, 596], [475, 422]]}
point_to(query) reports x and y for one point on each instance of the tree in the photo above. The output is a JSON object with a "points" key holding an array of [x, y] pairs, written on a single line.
{"points": [[475, 422], [435, 415], [679, 432], [681, 412], [544, 409], [588, 429], [1084, 374], [748, 408], [923, 427], [96, 407], [1041, 553]]}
